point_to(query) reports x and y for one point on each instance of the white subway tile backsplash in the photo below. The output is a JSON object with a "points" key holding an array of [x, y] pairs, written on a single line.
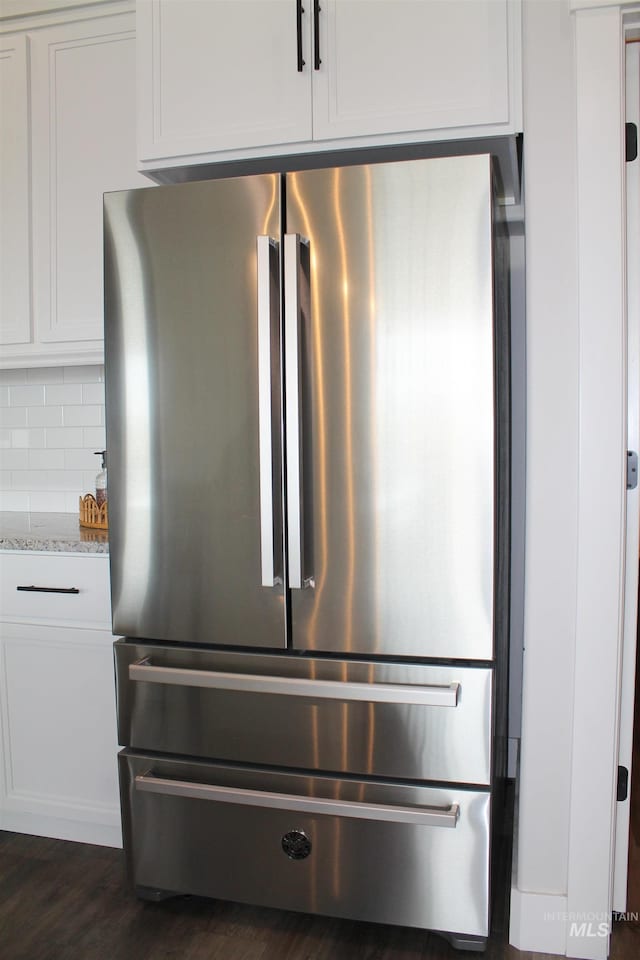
{"points": [[94, 437], [64, 393], [52, 502], [27, 438], [44, 416], [13, 416], [51, 422], [32, 479], [14, 459], [45, 459], [81, 460], [60, 480], [64, 480], [26, 396], [63, 437], [82, 416], [93, 393], [11, 500]]}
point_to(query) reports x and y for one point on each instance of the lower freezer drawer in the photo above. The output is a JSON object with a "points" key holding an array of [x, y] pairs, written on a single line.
{"points": [[390, 853]]}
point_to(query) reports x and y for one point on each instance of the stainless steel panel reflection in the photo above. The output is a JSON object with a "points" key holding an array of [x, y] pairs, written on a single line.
{"points": [[404, 740], [398, 365], [388, 872], [182, 413]]}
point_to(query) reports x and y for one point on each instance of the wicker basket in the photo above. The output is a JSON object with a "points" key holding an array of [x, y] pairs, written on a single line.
{"points": [[91, 515]]}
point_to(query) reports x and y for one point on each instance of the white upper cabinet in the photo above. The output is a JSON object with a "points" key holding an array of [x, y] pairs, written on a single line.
{"points": [[220, 80], [405, 65], [215, 74], [15, 295], [83, 143], [74, 119]]}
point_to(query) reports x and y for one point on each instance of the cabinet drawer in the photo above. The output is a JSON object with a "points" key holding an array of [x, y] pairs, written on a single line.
{"points": [[388, 720], [55, 588], [372, 851]]}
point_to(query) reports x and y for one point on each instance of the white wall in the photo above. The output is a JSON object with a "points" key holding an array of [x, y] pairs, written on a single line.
{"points": [[51, 422]]}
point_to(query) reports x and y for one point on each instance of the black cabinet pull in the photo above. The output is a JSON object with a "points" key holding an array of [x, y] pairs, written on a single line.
{"points": [[33, 589], [316, 35], [299, 12]]}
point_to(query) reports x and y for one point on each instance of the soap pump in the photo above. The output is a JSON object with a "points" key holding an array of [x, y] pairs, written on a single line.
{"points": [[101, 479]]}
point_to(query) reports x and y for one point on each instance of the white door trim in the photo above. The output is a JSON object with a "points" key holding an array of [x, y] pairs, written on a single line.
{"points": [[627, 691], [601, 496]]}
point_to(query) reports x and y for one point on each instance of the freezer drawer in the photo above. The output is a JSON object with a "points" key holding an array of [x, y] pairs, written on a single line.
{"points": [[396, 720], [414, 856]]}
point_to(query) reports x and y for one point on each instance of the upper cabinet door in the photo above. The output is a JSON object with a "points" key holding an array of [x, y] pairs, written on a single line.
{"points": [[222, 75], [402, 65], [15, 300], [83, 144], [245, 79]]}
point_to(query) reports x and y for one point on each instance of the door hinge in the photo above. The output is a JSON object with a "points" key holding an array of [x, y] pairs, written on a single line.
{"points": [[623, 784], [631, 144], [632, 469]]}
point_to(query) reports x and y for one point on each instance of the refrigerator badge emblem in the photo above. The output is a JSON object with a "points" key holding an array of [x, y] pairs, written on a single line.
{"points": [[296, 845]]}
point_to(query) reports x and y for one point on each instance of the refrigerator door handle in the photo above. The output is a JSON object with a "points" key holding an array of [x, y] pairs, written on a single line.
{"points": [[270, 538], [296, 304], [390, 813], [429, 695]]}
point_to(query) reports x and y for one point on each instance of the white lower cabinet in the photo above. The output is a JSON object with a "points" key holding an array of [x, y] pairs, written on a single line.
{"points": [[58, 776]]}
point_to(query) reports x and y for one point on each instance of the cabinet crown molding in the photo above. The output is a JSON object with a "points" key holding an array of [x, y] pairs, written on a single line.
{"points": [[31, 14]]}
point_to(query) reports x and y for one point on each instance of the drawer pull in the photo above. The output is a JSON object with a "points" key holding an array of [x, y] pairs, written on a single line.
{"points": [[32, 589], [424, 816], [431, 695]]}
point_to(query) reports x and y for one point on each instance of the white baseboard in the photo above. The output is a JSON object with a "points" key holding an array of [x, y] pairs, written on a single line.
{"points": [[81, 831], [538, 922]]}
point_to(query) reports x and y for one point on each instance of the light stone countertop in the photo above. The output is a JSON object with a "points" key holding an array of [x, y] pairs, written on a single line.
{"points": [[50, 532]]}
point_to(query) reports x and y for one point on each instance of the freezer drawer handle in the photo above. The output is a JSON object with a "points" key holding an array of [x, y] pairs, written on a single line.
{"points": [[268, 413], [430, 695], [423, 816]]}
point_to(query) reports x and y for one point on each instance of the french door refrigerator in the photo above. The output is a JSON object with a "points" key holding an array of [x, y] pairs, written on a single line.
{"points": [[308, 451]]}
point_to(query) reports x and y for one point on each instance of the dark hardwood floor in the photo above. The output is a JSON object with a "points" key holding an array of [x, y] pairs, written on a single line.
{"points": [[69, 901]]}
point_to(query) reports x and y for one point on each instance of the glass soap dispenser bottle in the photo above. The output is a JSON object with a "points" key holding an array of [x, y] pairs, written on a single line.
{"points": [[101, 479]]}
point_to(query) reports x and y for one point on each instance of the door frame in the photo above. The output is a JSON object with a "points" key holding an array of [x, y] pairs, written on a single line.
{"points": [[628, 678], [599, 61]]}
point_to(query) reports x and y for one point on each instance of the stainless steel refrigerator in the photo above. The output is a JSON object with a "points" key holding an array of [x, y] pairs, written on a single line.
{"points": [[308, 453]]}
